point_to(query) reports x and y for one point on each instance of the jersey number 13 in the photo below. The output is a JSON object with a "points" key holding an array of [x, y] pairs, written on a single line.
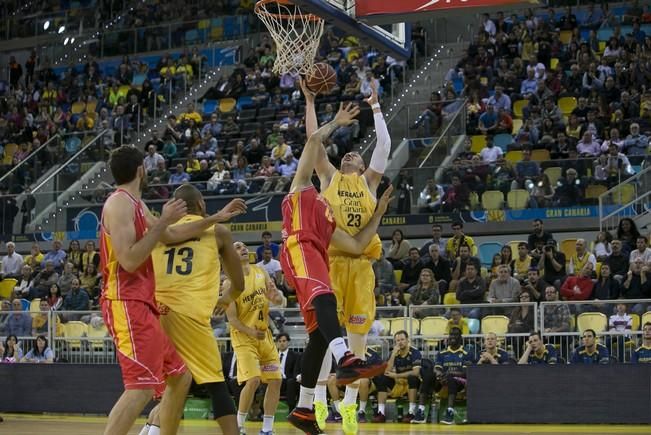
{"points": [[185, 254]]}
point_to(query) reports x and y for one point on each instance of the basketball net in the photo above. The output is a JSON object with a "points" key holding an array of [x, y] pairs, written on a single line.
{"points": [[296, 34]]}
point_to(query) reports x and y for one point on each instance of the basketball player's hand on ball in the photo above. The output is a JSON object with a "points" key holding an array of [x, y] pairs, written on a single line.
{"points": [[173, 210], [234, 208], [385, 199], [346, 114], [309, 95], [373, 98]]}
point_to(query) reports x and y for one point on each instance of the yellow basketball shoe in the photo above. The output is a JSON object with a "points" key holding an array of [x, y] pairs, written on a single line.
{"points": [[321, 412], [349, 418]]}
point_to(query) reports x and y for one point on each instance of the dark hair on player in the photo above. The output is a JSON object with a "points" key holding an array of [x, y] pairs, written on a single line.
{"points": [[124, 163], [535, 334], [192, 197], [401, 332], [594, 334], [457, 224]]}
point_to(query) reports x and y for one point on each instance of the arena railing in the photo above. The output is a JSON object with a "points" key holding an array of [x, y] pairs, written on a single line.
{"points": [[630, 197], [25, 25]]}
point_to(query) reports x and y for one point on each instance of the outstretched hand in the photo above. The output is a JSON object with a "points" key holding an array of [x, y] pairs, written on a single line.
{"points": [[385, 199], [346, 114], [309, 95], [373, 98], [234, 208]]}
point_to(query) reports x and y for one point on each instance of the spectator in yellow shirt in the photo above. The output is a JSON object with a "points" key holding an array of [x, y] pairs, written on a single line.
{"points": [[458, 239], [457, 321], [191, 114]]}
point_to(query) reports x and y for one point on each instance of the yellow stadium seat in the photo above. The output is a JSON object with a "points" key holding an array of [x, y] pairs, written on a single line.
{"points": [[597, 269], [540, 155], [474, 201], [7, 288], [78, 107], [203, 24], [594, 191], [397, 274], [91, 106], [623, 194], [227, 105], [646, 317], [386, 326], [492, 200], [517, 199], [73, 332], [478, 143], [407, 297], [518, 106], [553, 63], [567, 105], [496, 324], [433, 326], [554, 174], [124, 90], [517, 125], [216, 33], [566, 36], [252, 258], [35, 305], [513, 156], [10, 150], [514, 246], [450, 298], [98, 335], [602, 46], [635, 326], [596, 321], [568, 247], [402, 324]]}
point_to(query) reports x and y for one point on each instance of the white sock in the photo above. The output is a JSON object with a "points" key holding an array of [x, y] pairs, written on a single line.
{"points": [[451, 409], [241, 418], [362, 406], [144, 430], [321, 393], [267, 423], [338, 347], [335, 405], [412, 407], [153, 430], [421, 407], [351, 394], [380, 408], [305, 398]]}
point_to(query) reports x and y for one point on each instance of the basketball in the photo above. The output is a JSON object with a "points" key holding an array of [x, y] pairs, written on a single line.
{"points": [[322, 79]]}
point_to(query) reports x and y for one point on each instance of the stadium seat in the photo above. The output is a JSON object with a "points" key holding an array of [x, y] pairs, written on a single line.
{"points": [[73, 332], [517, 199], [386, 326], [553, 63], [572, 322], [623, 194], [473, 326], [635, 324], [407, 297], [496, 324], [209, 107], [602, 47], [458, 85], [433, 326], [402, 323], [191, 37], [492, 200], [503, 141], [450, 298], [517, 125], [594, 191], [567, 105], [397, 274], [596, 321], [98, 335], [487, 251], [478, 143], [35, 305], [7, 288], [475, 203], [227, 105], [554, 174], [568, 247], [72, 144], [646, 317], [78, 107], [513, 156], [91, 107], [25, 303], [540, 155], [518, 106], [566, 36], [9, 151]]}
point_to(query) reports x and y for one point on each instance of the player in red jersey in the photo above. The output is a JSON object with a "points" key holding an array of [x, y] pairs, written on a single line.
{"points": [[308, 230], [128, 234]]}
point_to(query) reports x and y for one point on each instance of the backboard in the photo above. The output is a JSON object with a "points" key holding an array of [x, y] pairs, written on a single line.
{"points": [[393, 39]]}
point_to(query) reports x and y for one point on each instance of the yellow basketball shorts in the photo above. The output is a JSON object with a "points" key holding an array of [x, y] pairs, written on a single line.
{"points": [[196, 344], [256, 358], [353, 282]]}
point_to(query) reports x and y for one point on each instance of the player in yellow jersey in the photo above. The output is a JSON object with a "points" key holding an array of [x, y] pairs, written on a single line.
{"points": [[351, 192], [255, 350], [187, 291]]}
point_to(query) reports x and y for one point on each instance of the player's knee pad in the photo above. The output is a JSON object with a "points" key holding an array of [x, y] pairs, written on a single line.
{"points": [[222, 402]]}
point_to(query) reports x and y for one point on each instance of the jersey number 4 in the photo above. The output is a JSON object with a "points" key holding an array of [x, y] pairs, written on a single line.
{"points": [[186, 254], [354, 220]]}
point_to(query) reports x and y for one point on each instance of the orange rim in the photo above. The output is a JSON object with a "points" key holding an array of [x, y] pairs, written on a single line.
{"points": [[263, 11]]}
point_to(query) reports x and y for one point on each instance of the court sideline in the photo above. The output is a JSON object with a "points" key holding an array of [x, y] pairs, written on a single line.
{"points": [[21, 424]]}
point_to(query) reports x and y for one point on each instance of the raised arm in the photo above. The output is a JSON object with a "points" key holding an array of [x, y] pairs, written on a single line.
{"points": [[272, 293], [232, 265], [118, 221], [357, 244], [310, 155], [324, 169], [380, 156]]}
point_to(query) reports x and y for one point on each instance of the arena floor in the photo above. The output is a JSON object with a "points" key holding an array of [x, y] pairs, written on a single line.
{"points": [[38, 425]]}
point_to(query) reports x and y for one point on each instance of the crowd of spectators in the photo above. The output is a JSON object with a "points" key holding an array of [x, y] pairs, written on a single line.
{"points": [[552, 89]]}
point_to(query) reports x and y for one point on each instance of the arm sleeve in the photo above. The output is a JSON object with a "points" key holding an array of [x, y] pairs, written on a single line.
{"points": [[380, 156]]}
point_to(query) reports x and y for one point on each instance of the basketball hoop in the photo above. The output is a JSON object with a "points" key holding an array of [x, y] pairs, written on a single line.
{"points": [[295, 33]]}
